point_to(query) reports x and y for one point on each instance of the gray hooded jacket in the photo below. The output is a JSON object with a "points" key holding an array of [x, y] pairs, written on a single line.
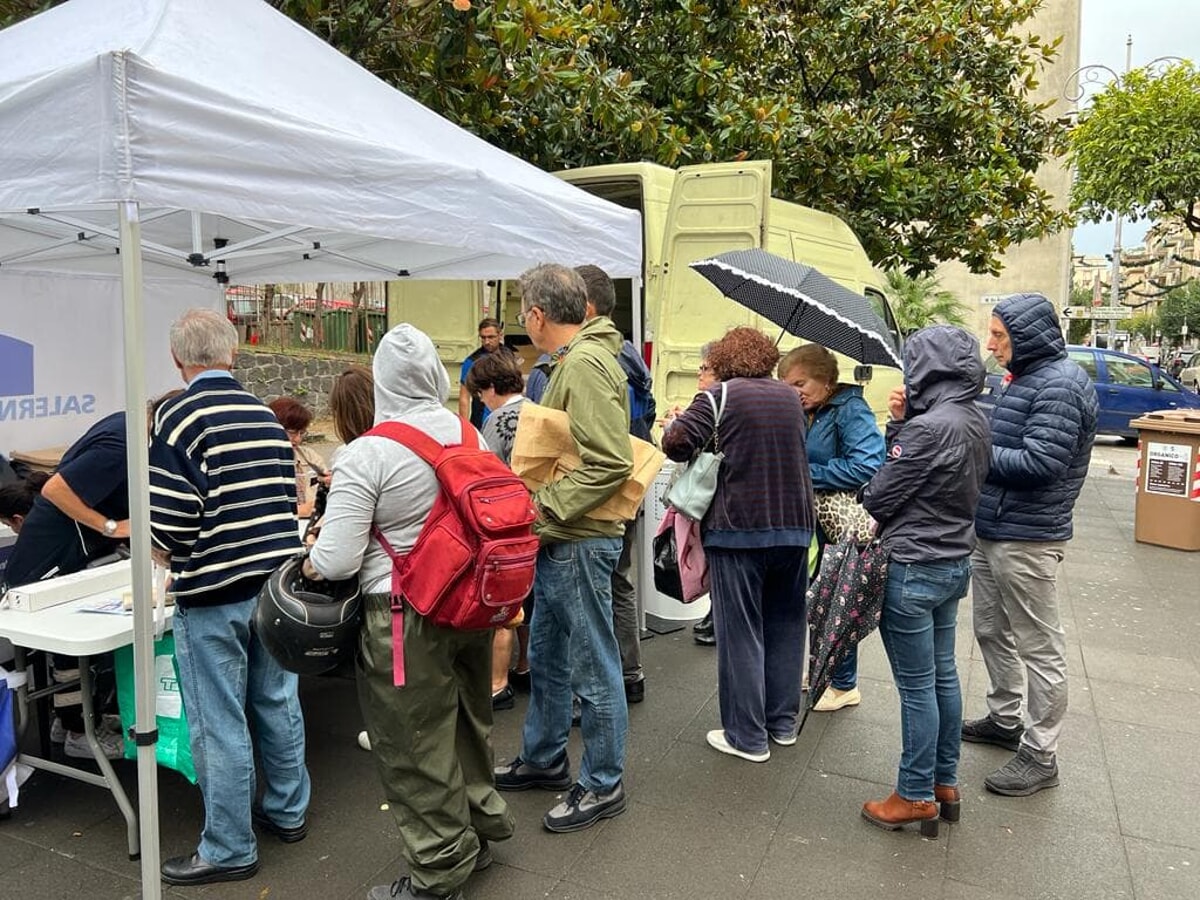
{"points": [[924, 497], [377, 481]]}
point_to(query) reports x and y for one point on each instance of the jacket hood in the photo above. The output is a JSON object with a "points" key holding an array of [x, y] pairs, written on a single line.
{"points": [[845, 392], [1032, 326], [941, 364], [409, 376], [601, 330]]}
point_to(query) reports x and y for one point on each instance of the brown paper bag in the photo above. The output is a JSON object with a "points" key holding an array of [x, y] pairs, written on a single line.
{"points": [[544, 452]]}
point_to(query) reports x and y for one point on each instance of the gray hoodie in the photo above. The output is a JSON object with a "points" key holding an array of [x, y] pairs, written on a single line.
{"points": [[925, 495], [377, 481]]}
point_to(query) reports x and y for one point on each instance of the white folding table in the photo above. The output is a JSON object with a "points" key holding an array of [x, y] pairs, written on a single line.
{"points": [[65, 629]]}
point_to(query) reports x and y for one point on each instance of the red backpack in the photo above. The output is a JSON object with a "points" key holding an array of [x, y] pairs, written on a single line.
{"points": [[473, 563]]}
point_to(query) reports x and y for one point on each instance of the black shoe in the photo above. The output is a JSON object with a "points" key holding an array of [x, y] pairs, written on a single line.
{"points": [[483, 859], [504, 698], [287, 835], [188, 870], [519, 680], [519, 775], [404, 890], [635, 691], [704, 628], [988, 731], [1023, 775], [582, 809]]}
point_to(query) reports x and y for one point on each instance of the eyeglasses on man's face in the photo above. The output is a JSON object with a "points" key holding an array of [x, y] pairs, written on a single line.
{"points": [[523, 317]]}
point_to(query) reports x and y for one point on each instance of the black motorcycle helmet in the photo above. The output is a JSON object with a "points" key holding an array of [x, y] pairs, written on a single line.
{"points": [[308, 626]]}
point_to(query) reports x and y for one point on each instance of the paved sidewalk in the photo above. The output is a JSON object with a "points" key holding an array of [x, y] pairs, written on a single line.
{"points": [[1122, 825]]}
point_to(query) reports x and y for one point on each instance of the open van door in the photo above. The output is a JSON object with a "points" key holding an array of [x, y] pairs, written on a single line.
{"points": [[714, 208], [447, 311]]}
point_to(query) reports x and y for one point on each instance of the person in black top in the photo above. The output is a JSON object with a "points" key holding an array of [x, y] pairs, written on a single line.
{"points": [[491, 340], [81, 514]]}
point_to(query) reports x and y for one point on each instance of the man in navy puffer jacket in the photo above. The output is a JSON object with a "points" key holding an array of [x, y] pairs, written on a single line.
{"points": [[1043, 425]]}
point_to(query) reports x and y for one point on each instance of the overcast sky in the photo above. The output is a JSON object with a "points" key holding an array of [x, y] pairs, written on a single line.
{"points": [[1159, 28]]}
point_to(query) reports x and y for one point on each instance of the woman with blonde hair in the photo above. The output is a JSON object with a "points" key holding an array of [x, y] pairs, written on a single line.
{"points": [[845, 448]]}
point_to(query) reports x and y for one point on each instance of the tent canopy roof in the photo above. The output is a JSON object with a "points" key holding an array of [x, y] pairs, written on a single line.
{"points": [[229, 123]]}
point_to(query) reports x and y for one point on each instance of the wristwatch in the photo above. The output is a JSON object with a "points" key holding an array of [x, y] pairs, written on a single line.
{"points": [[110, 528]]}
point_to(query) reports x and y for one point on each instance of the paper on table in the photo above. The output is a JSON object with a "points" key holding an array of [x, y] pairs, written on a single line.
{"points": [[544, 452]]}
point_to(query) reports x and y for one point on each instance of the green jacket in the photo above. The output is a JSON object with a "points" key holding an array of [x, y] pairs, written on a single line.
{"points": [[589, 384]]}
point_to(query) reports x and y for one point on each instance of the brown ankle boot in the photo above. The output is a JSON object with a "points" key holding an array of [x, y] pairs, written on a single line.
{"points": [[896, 812], [949, 800]]}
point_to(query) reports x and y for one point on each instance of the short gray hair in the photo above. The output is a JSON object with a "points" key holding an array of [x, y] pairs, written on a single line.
{"points": [[203, 337], [557, 291]]}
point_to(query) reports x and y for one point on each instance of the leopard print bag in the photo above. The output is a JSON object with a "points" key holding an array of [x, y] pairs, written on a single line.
{"points": [[839, 514]]}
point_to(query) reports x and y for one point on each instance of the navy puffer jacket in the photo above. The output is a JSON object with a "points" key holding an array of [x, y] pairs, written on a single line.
{"points": [[1043, 425]]}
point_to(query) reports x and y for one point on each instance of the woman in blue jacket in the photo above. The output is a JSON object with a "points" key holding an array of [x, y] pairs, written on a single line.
{"points": [[845, 449]]}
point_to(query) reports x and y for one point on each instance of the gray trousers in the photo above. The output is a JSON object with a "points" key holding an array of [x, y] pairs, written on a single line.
{"points": [[624, 603], [1014, 590]]}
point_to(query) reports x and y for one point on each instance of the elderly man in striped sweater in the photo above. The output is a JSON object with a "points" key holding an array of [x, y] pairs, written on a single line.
{"points": [[223, 512]]}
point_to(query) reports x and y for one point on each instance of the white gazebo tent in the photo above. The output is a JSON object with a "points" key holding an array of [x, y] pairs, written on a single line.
{"points": [[206, 139]]}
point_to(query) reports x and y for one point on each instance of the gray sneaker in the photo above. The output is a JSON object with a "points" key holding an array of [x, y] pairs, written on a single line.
{"points": [[1022, 775], [583, 808], [519, 775], [404, 890], [988, 731]]}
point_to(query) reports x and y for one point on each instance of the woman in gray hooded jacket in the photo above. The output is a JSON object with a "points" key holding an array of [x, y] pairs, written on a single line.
{"points": [[924, 500]]}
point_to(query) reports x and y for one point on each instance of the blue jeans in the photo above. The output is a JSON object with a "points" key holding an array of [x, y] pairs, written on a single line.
{"points": [[572, 649], [758, 615], [919, 611], [845, 676], [228, 679]]}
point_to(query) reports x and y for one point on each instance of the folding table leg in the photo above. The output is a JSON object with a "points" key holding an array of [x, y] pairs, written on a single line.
{"points": [[106, 769]]}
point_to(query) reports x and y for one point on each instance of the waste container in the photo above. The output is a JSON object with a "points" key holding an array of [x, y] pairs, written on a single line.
{"points": [[337, 329], [663, 614], [1168, 486]]}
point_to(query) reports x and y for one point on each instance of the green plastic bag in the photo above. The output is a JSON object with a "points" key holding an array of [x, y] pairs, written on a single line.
{"points": [[174, 748]]}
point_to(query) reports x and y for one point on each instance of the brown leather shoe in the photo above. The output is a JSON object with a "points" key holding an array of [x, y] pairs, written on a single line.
{"points": [[895, 812], [949, 801]]}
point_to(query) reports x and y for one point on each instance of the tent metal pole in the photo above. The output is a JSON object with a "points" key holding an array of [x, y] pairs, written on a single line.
{"points": [[137, 456]]}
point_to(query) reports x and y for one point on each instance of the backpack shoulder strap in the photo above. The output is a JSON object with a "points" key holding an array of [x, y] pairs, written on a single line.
{"points": [[419, 442]]}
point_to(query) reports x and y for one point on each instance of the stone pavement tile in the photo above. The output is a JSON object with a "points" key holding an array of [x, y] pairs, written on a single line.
{"points": [[1038, 858], [535, 850], [1084, 797], [1158, 808], [823, 847], [1137, 749], [14, 852], [501, 881], [1129, 627], [857, 747], [696, 779], [1150, 671], [959, 890], [1163, 872], [695, 850], [53, 875], [1177, 710], [566, 890]]}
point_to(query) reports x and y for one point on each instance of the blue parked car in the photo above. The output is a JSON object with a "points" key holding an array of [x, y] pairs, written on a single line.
{"points": [[1127, 387]]}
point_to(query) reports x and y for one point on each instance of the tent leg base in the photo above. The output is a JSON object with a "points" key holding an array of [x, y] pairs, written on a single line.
{"points": [[657, 625]]}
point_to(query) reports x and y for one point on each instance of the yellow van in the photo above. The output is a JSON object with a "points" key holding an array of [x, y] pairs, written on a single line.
{"points": [[687, 214]]}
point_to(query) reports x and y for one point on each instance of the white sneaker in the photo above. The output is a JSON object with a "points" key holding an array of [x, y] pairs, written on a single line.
{"points": [[364, 741], [833, 699], [58, 733], [112, 745], [716, 740]]}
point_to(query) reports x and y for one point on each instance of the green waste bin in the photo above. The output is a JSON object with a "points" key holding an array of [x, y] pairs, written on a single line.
{"points": [[337, 329], [304, 328]]}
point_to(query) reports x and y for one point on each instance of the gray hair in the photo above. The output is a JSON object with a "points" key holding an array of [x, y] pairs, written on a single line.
{"points": [[557, 291], [203, 337], [706, 349]]}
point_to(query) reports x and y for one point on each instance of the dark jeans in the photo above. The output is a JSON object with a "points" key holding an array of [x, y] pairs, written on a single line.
{"points": [[920, 607], [758, 614]]}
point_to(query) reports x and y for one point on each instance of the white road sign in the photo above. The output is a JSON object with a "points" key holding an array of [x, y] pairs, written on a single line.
{"points": [[1097, 312]]}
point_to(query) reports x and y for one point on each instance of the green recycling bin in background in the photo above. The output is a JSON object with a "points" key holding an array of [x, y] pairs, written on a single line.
{"points": [[337, 329]]}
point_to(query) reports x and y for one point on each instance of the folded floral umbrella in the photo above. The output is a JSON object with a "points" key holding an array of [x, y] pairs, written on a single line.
{"points": [[845, 601], [804, 302]]}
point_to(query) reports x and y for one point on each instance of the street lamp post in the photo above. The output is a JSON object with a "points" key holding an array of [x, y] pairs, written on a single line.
{"points": [[1094, 75]]}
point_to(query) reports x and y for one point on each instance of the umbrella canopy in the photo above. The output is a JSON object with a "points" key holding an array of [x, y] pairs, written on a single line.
{"points": [[804, 302], [844, 604]]}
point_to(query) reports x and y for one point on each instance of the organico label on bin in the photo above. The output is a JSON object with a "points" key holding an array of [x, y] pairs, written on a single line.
{"points": [[1168, 469]]}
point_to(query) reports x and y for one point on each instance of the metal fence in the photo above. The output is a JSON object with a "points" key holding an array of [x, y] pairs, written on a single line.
{"points": [[346, 317]]}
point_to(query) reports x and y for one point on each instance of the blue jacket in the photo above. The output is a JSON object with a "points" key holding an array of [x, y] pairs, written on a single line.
{"points": [[845, 446], [1043, 425]]}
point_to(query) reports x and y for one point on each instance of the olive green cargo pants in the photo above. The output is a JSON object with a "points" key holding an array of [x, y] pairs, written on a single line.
{"points": [[431, 740]]}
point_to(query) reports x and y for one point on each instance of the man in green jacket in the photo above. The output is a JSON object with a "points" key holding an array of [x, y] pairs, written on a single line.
{"points": [[572, 648]]}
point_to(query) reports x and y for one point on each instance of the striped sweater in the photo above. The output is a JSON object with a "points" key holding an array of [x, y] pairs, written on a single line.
{"points": [[222, 491]]}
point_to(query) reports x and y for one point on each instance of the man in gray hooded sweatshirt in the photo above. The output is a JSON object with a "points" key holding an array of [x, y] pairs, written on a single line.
{"points": [[431, 737]]}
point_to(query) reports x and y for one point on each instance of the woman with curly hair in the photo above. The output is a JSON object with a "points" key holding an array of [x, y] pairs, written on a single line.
{"points": [[756, 535]]}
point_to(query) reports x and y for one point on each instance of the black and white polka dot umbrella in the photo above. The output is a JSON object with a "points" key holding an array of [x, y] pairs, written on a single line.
{"points": [[803, 302]]}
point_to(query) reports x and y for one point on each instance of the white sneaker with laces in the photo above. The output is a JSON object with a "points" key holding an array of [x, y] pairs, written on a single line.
{"points": [[718, 741], [112, 745], [58, 733]]}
